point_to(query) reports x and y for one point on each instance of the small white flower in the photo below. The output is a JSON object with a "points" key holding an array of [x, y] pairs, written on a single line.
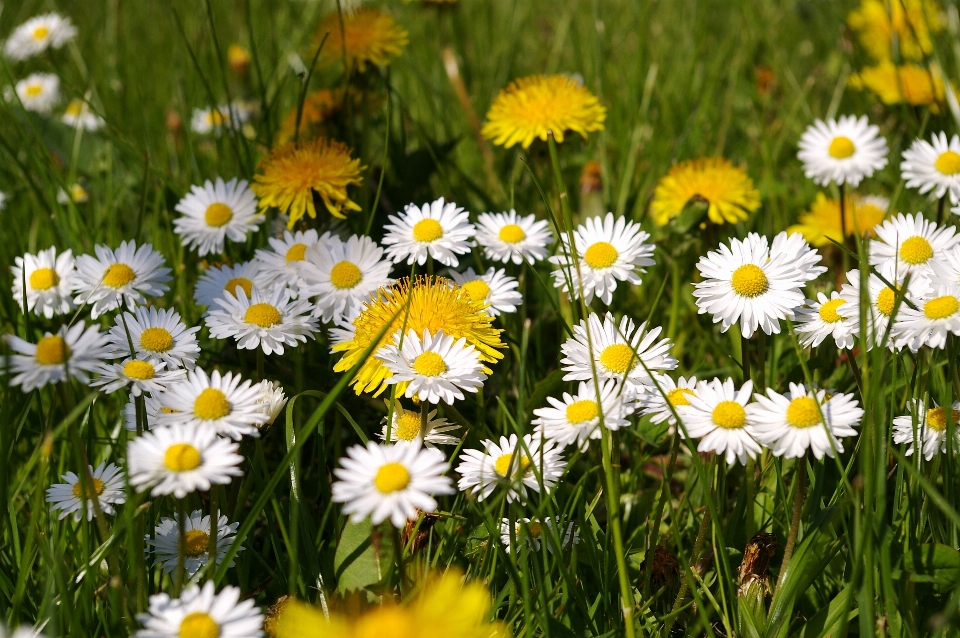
{"points": [[722, 418], [435, 367], [79, 116], [440, 229], [23, 631], [153, 405], [883, 300], [936, 315], [36, 35], [155, 333], [267, 322], [793, 249], [509, 237], [216, 281], [225, 405], [406, 427], [925, 428], [138, 375], [390, 482], [68, 497], [844, 151], [495, 289], [166, 542], [531, 533], [213, 120], [201, 613], [280, 264], [128, 274], [817, 320], [933, 167], [49, 280], [911, 242], [657, 404], [38, 92], [945, 269], [575, 419], [214, 212], [273, 400], [72, 352], [515, 466]]}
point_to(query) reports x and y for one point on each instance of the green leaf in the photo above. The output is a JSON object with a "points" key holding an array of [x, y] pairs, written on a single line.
{"points": [[934, 563], [364, 556], [832, 619], [547, 387]]}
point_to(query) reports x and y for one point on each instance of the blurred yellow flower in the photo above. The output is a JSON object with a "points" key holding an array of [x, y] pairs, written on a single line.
{"points": [[370, 36], [913, 21], [531, 106], [822, 222], [319, 108], [908, 83], [726, 189]]}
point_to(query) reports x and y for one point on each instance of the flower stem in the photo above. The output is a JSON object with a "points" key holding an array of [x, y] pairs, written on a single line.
{"points": [[178, 575], [801, 481], [613, 521], [214, 520]]}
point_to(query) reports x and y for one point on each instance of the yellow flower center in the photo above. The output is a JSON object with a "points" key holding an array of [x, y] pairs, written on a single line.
{"points": [[52, 350], [427, 230], [217, 214], [535, 529], [118, 275], [40, 33], [948, 163], [429, 364], [75, 107], [156, 339], [916, 250], [243, 282], [512, 234], [408, 426], [197, 542], [44, 278], [296, 252], [505, 461], [678, 396], [182, 457], [729, 415], [199, 625], [34, 90], [262, 314], [803, 412], [841, 147], [477, 289], [97, 489], [211, 404], [749, 280], [582, 411], [886, 300], [345, 275], [215, 117], [600, 255], [941, 307], [828, 311], [937, 418], [618, 358], [140, 370], [392, 477]]}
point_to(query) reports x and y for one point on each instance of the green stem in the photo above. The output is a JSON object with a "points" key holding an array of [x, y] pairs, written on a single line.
{"points": [[260, 364], [694, 557], [178, 574], [613, 520], [214, 521], [801, 481]]}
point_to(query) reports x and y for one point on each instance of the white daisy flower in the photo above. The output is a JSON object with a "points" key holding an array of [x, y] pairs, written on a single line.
{"points": [[166, 542], [495, 289], [933, 167], [268, 322], [575, 419], [213, 120], [201, 613], [745, 283], [157, 334], [216, 281], [76, 194], [214, 212], [49, 280], [792, 424], [608, 249], [71, 352], [657, 404], [721, 416], [624, 353], [844, 151], [390, 482], [38, 92], [925, 429], [68, 497], [79, 116], [946, 268], [793, 249], [138, 375], [127, 274], [530, 533], [280, 264], [883, 300], [273, 400], [225, 405], [342, 276], [514, 466], [911, 242], [180, 459], [439, 229], [436, 367], [406, 427], [153, 405], [507, 237], [817, 320], [23, 631], [36, 35], [936, 315]]}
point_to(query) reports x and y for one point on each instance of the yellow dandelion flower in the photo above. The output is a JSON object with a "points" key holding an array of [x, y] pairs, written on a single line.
{"points": [[289, 175], [822, 222], [913, 21], [434, 304], [725, 188], [530, 107], [319, 108], [910, 83], [370, 36]]}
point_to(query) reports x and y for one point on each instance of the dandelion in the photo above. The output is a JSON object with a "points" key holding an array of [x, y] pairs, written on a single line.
{"points": [[726, 189], [883, 300], [155, 333], [320, 108], [45, 282], [70, 352], [662, 404], [823, 223], [440, 229], [367, 36], [128, 274], [910, 242], [280, 264], [933, 167], [925, 428], [910, 83], [196, 533], [224, 405], [201, 613], [509, 237], [576, 419], [721, 416], [530, 533], [909, 22], [247, 276], [407, 427], [817, 320], [844, 151], [269, 322], [38, 92], [435, 368], [936, 315], [70, 498], [494, 289], [215, 211], [516, 466], [36, 35], [138, 375]]}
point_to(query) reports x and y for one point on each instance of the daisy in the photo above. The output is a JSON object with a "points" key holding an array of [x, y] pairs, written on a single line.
{"points": [[745, 283], [911, 242], [517, 467], [722, 418], [575, 419], [406, 427], [844, 151], [216, 211], [49, 280], [38, 92], [216, 281], [180, 459], [791, 248], [804, 420], [68, 497], [495, 289], [138, 375], [946, 268], [608, 249], [201, 613], [153, 405], [624, 353], [224, 405], [268, 322], [437, 368], [154, 333], [657, 403], [390, 482], [530, 532], [883, 299], [23, 631], [273, 400], [36, 35], [342, 276], [79, 116], [166, 542], [509, 237], [936, 315], [212, 120], [727, 191], [817, 320], [926, 428], [933, 167], [441, 230], [280, 264], [128, 274], [70, 352]]}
